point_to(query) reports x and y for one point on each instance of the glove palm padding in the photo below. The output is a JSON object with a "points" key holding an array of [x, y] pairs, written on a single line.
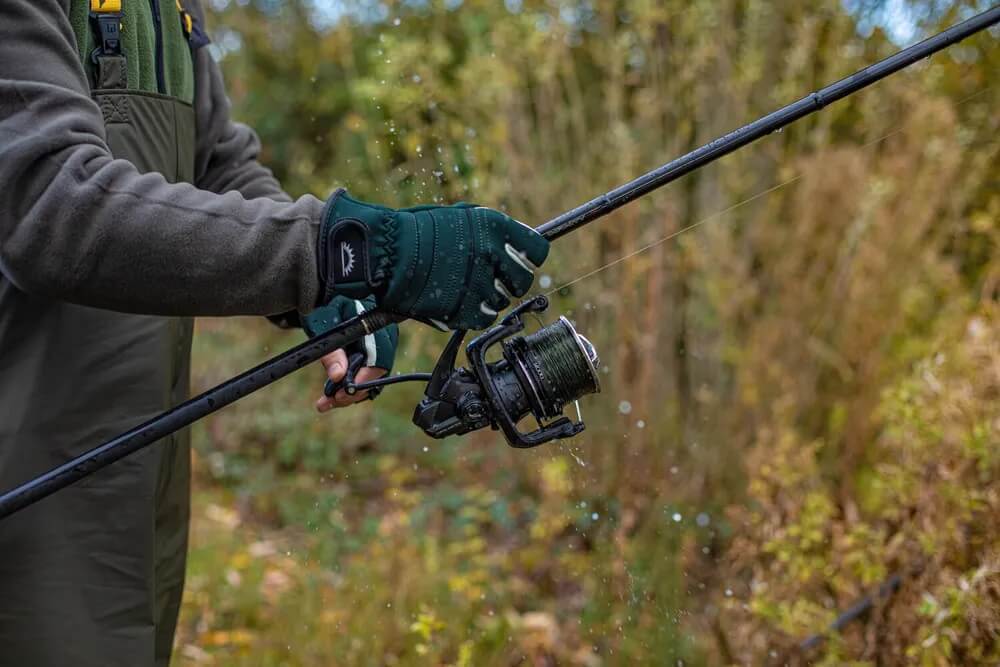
{"points": [[453, 265]]}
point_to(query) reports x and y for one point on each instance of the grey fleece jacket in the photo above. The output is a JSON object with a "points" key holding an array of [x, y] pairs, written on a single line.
{"points": [[80, 226]]}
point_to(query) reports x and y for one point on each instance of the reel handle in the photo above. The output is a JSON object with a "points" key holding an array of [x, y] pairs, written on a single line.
{"points": [[351, 386], [355, 361]]}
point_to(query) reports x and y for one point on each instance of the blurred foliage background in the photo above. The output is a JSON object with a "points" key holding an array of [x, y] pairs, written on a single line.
{"points": [[800, 394]]}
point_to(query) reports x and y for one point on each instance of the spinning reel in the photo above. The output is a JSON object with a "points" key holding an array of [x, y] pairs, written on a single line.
{"points": [[537, 374]]}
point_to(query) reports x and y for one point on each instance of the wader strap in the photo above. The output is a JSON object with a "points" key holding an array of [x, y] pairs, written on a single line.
{"points": [[106, 17]]}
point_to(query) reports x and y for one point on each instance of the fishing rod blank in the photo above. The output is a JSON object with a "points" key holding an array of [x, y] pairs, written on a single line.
{"points": [[356, 328], [193, 409], [774, 121]]}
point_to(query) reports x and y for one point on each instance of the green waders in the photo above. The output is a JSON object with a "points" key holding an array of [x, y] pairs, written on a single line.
{"points": [[92, 576]]}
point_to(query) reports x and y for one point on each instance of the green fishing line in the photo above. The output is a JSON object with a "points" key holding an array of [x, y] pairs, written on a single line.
{"points": [[559, 365]]}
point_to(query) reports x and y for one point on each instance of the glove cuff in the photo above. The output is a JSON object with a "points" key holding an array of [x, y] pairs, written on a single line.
{"points": [[355, 248]]}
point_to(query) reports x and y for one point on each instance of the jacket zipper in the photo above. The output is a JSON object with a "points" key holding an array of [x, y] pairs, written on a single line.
{"points": [[161, 79]]}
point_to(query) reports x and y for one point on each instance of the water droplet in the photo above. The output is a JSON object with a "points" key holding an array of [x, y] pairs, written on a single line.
{"points": [[677, 517], [625, 407], [702, 520], [640, 424], [595, 516], [545, 282]]}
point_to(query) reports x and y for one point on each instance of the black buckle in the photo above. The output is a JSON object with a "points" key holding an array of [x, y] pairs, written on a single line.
{"points": [[109, 34]]}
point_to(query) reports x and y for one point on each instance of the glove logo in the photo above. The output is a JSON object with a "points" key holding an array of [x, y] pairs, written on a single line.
{"points": [[348, 254], [346, 259]]}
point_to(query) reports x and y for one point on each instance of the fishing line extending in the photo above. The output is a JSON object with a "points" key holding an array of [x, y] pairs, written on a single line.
{"points": [[672, 235], [898, 129]]}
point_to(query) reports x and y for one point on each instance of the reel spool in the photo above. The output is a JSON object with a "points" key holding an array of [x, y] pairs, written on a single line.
{"points": [[546, 370]]}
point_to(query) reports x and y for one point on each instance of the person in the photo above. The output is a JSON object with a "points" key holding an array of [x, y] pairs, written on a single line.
{"points": [[130, 203]]}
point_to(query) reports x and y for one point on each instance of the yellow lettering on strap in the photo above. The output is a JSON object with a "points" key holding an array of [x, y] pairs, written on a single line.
{"points": [[105, 6]]}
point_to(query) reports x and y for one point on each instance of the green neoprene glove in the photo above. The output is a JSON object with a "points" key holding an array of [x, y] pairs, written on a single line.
{"points": [[453, 266], [379, 348]]}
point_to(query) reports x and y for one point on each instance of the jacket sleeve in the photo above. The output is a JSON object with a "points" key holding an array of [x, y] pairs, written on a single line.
{"points": [[227, 152], [80, 226]]}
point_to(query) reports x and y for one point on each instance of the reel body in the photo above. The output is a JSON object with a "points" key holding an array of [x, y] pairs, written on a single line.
{"points": [[538, 375]]}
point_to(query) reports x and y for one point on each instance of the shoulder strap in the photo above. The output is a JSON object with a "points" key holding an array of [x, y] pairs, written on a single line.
{"points": [[106, 18]]}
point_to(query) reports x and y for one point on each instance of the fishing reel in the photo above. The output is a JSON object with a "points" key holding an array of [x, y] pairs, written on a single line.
{"points": [[537, 374]]}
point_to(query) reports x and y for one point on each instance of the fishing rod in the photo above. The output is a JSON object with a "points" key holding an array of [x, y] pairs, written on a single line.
{"points": [[854, 612], [538, 374]]}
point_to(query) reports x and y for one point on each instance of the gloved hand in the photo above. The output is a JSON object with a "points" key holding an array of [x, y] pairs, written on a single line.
{"points": [[454, 266], [378, 349]]}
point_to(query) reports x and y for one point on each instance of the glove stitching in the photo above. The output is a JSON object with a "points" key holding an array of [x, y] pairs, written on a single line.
{"points": [[326, 293], [451, 287], [411, 275], [469, 270], [422, 293], [479, 216], [390, 230]]}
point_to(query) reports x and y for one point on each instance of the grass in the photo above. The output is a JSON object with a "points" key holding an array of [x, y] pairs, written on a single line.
{"points": [[351, 539]]}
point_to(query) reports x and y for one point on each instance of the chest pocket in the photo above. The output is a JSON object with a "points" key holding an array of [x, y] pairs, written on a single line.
{"points": [[139, 57]]}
